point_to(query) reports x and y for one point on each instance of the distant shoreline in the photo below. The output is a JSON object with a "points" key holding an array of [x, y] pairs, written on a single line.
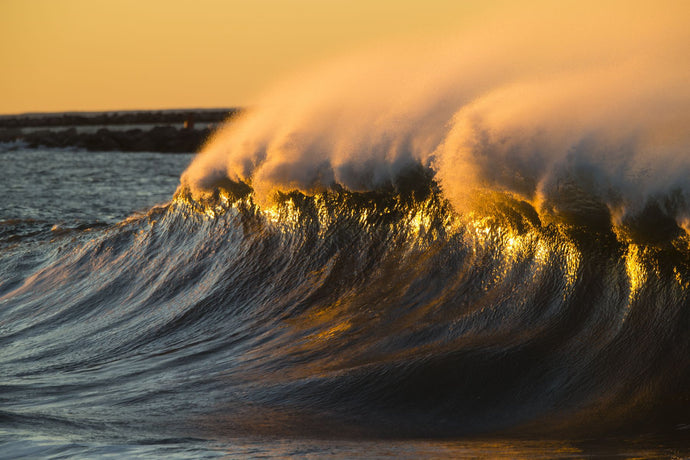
{"points": [[118, 117], [167, 131]]}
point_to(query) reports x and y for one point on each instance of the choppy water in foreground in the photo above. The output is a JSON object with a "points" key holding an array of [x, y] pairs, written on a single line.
{"points": [[378, 324]]}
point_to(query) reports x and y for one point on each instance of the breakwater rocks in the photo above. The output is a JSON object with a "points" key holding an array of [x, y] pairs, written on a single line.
{"points": [[159, 131], [157, 139], [140, 117]]}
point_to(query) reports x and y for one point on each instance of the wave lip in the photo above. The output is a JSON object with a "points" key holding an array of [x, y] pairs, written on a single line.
{"points": [[603, 117]]}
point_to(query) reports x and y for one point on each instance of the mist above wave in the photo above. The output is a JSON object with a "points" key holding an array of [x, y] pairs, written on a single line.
{"points": [[562, 108]]}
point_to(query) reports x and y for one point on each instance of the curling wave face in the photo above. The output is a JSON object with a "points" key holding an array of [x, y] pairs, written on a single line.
{"points": [[382, 313], [399, 316]]}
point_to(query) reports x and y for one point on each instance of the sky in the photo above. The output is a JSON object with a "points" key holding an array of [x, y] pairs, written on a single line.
{"points": [[91, 55]]}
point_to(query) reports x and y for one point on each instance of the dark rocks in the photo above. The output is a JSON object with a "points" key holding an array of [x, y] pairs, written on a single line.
{"points": [[162, 117], [46, 130], [166, 139], [10, 134], [173, 132]]}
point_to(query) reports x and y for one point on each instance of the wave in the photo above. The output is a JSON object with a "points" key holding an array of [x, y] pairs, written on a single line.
{"points": [[382, 313], [450, 243], [410, 318]]}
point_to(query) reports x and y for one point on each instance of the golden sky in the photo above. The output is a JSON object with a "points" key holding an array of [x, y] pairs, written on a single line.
{"points": [[60, 55]]}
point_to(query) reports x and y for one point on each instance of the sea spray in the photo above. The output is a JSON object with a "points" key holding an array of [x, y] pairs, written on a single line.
{"points": [[599, 103]]}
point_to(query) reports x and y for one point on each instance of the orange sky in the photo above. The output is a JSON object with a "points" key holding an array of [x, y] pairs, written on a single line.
{"points": [[60, 55]]}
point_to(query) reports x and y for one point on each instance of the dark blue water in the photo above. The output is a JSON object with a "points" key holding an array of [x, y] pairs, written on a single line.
{"points": [[372, 325], [62, 187]]}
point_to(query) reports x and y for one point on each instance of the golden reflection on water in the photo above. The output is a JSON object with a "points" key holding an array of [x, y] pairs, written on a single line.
{"points": [[418, 449], [286, 213], [328, 321], [683, 284], [635, 270], [272, 214], [419, 221], [334, 330], [509, 449], [487, 235]]}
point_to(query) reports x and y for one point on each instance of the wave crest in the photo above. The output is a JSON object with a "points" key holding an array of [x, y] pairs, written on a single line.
{"points": [[604, 115]]}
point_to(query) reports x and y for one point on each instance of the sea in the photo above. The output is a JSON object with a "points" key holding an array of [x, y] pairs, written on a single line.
{"points": [[137, 321]]}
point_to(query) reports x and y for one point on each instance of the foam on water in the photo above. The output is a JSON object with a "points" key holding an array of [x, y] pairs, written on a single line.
{"points": [[591, 95]]}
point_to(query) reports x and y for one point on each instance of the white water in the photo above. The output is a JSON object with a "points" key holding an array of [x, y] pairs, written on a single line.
{"points": [[589, 93]]}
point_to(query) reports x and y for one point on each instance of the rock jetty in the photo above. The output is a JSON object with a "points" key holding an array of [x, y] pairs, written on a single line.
{"points": [[172, 131]]}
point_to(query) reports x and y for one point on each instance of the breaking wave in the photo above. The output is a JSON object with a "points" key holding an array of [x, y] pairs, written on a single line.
{"points": [[382, 313], [487, 237]]}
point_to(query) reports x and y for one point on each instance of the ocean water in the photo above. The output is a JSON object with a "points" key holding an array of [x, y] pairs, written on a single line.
{"points": [[141, 322], [475, 246]]}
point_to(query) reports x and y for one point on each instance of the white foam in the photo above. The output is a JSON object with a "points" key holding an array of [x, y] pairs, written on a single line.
{"points": [[588, 92]]}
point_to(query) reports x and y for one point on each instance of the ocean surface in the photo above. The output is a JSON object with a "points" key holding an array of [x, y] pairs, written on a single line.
{"points": [[141, 322]]}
